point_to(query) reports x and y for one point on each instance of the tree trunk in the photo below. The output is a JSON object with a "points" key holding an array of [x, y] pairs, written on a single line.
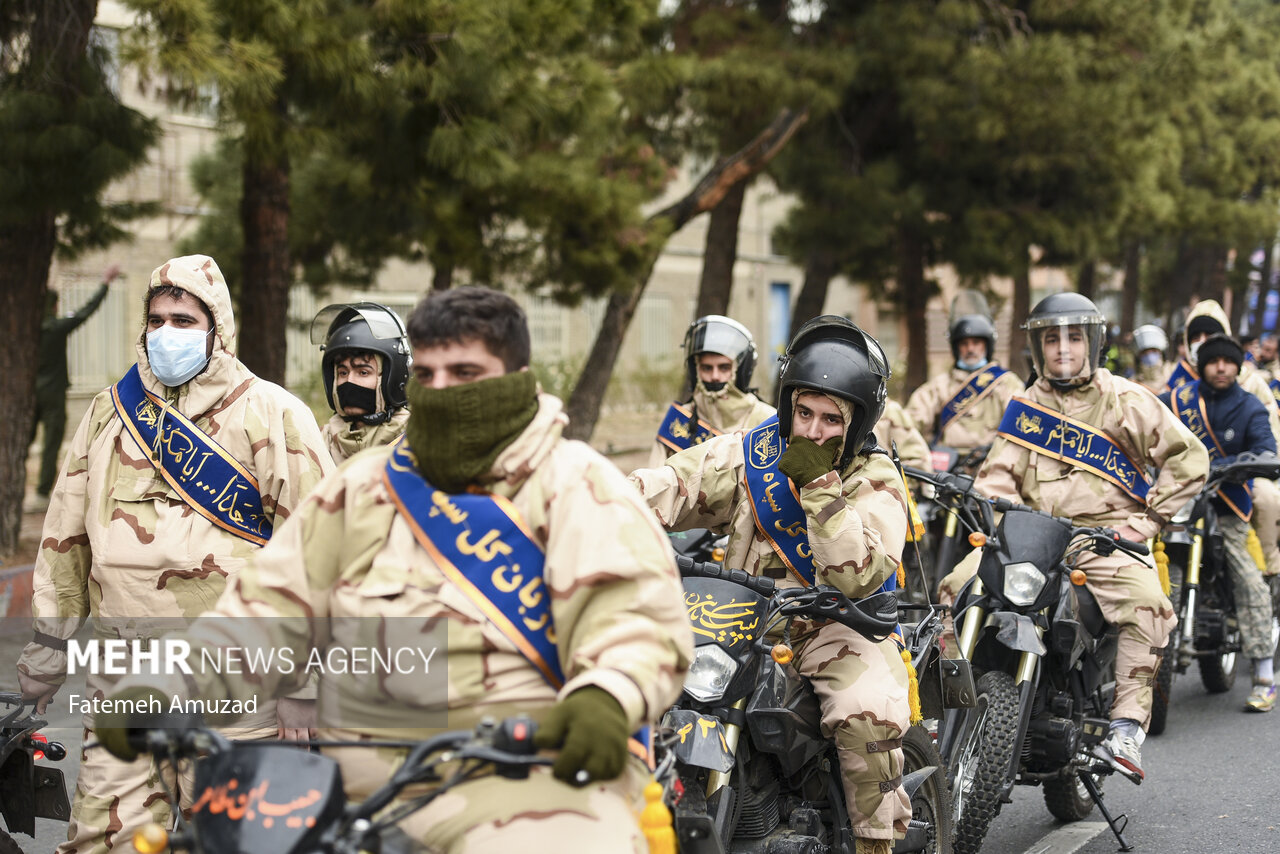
{"points": [[720, 253], [441, 276], [819, 270], [265, 266], [25, 253], [913, 296], [1086, 280], [1021, 308], [1132, 285], [56, 42], [584, 404]]}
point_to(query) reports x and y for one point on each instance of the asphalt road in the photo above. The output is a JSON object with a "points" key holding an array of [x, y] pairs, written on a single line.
{"points": [[1213, 785]]}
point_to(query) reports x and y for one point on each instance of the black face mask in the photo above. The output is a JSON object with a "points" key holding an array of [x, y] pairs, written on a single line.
{"points": [[350, 394], [714, 387]]}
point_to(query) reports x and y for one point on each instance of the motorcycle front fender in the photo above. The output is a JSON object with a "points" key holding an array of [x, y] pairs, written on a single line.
{"points": [[699, 740], [1017, 632]]}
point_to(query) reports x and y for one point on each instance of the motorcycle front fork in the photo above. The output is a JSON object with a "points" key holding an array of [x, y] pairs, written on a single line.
{"points": [[717, 780], [1190, 593]]}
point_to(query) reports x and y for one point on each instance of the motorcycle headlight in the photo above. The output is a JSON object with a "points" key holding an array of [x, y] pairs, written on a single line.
{"points": [[1022, 583], [710, 674]]}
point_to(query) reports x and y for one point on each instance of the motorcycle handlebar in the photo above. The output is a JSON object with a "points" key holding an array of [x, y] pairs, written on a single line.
{"points": [[690, 568]]}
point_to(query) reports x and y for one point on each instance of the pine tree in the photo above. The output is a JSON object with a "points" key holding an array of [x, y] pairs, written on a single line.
{"points": [[64, 136]]}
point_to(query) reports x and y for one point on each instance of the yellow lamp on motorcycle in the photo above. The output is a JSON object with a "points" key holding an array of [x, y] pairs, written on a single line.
{"points": [[1022, 583], [151, 838], [1078, 578], [717, 555], [782, 653], [977, 539], [709, 674]]}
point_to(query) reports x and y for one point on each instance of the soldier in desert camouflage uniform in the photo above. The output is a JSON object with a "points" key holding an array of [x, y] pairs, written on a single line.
{"points": [[1066, 333], [120, 543], [831, 392], [896, 429], [365, 369], [962, 408], [719, 359], [1207, 318], [355, 550], [1150, 343]]}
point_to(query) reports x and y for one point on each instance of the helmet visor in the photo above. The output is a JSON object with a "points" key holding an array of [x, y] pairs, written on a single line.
{"points": [[383, 323], [722, 338], [1066, 348]]}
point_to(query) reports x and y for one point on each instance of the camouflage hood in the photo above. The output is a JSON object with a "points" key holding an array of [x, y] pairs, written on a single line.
{"points": [[531, 448], [1207, 308], [198, 275]]}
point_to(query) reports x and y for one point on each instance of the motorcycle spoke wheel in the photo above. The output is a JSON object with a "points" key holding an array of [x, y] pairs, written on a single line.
{"points": [[1218, 672], [991, 744]]}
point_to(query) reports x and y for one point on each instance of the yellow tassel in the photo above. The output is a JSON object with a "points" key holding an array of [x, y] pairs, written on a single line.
{"points": [[902, 576], [1162, 566], [913, 688], [915, 529], [655, 821], [1255, 550]]}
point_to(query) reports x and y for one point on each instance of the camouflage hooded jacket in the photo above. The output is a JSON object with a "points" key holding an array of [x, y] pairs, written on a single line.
{"points": [[1132, 417], [976, 424], [856, 520], [118, 542], [348, 562]]}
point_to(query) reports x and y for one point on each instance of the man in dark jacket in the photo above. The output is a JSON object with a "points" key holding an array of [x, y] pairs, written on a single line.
{"points": [[1230, 421], [52, 382]]}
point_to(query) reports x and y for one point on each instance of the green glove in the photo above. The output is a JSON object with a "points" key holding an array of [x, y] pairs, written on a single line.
{"points": [[804, 460], [113, 728], [590, 729]]}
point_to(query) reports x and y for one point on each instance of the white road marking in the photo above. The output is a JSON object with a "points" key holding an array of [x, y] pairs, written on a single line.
{"points": [[1067, 839]]}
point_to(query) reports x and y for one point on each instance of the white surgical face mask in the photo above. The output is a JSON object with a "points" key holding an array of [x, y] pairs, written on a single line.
{"points": [[971, 366], [176, 355], [1194, 350]]}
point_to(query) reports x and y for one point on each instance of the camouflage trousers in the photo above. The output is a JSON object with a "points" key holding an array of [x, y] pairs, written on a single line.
{"points": [[1266, 521], [1253, 596], [862, 689], [113, 798], [494, 815], [1129, 596]]}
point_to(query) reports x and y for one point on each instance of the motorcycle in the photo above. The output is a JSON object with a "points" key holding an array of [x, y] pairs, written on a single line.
{"points": [[269, 798], [1202, 591], [1046, 656], [27, 791], [745, 764]]}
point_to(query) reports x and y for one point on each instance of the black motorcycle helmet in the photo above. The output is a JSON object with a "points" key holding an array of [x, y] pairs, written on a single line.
{"points": [[830, 354], [1061, 311], [972, 326], [369, 327], [723, 336]]}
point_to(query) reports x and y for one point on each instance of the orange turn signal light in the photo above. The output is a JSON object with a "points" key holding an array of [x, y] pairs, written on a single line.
{"points": [[151, 838], [717, 554], [782, 653], [1078, 578], [977, 539]]}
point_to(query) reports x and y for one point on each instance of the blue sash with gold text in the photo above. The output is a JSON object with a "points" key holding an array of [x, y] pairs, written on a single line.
{"points": [[1053, 434], [978, 385], [202, 472], [1182, 374], [1188, 405], [1274, 385], [482, 545], [776, 505], [676, 433]]}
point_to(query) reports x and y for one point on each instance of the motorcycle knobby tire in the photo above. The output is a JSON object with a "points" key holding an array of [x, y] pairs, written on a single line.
{"points": [[999, 732]]}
